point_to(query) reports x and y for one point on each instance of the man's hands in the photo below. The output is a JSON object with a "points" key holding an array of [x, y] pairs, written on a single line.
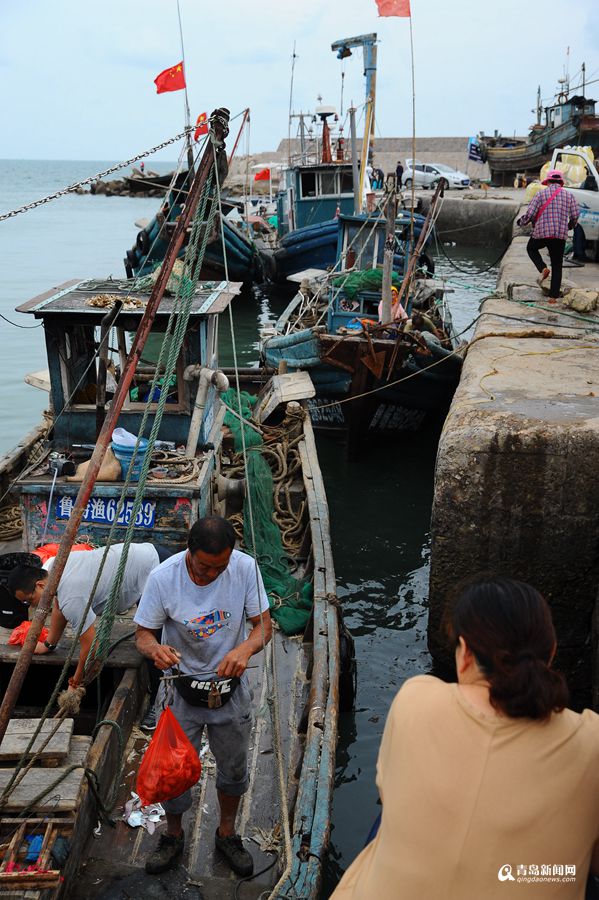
{"points": [[235, 662], [164, 656], [40, 648]]}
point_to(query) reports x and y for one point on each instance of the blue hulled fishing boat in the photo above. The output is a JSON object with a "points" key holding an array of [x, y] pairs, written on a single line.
{"points": [[374, 372]]}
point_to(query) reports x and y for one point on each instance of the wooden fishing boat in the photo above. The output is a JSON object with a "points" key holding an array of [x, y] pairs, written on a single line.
{"points": [[88, 337], [567, 121], [370, 378]]}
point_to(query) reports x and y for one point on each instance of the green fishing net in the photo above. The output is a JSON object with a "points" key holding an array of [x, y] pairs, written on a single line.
{"points": [[290, 598], [365, 280]]}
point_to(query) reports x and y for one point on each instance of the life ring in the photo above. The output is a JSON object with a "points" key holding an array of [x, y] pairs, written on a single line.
{"points": [[561, 98], [143, 241]]}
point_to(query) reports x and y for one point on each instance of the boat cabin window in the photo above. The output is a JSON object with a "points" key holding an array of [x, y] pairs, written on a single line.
{"points": [[328, 183], [78, 355], [325, 184], [308, 182], [347, 183], [366, 244]]}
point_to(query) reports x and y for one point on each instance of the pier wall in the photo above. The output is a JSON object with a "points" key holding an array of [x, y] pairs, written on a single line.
{"points": [[517, 474], [466, 218]]}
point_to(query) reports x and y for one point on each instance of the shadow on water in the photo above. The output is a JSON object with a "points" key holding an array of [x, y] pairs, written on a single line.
{"points": [[380, 510]]}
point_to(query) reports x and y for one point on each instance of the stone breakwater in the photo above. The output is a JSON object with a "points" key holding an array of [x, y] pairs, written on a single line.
{"points": [[516, 487]]}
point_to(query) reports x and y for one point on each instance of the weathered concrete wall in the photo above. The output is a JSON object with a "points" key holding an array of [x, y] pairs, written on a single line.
{"points": [[469, 219], [517, 477]]}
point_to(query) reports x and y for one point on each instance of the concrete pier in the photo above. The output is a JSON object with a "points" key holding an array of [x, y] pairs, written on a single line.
{"points": [[517, 477], [476, 218]]}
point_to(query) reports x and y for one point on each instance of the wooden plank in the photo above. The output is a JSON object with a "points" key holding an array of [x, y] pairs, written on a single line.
{"points": [[103, 759], [62, 798], [125, 656], [30, 305], [20, 731]]}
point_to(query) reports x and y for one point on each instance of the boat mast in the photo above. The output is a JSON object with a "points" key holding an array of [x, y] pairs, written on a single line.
{"points": [[388, 254], [354, 160], [293, 59], [219, 123], [187, 112], [343, 50]]}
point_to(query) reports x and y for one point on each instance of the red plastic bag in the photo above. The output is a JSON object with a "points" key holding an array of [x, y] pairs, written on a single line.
{"points": [[170, 764], [18, 634]]}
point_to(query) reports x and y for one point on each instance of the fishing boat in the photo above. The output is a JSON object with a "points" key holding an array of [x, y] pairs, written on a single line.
{"points": [[148, 362], [372, 376], [243, 260], [568, 121], [323, 180]]}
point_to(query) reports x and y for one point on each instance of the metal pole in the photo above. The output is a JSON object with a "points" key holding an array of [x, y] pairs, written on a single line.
{"points": [[416, 252], [187, 112], [388, 255], [105, 326], [293, 58], [302, 139], [354, 160], [219, 121]]}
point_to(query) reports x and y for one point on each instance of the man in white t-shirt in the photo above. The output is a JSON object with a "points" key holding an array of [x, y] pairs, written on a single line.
{"points": [[199, 601], [72, 595]]}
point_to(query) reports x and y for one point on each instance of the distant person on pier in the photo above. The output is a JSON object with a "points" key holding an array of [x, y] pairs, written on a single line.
{"points": [[399, 173], [489, 780], [553, 211]]}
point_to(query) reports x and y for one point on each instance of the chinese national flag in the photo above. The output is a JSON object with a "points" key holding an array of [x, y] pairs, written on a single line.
{"points": [[262, 175], [201, 126], [394, 8], [172, 79]]}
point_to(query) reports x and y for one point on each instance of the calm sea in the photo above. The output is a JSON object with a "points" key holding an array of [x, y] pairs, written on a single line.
{"points": [[380, 506]]}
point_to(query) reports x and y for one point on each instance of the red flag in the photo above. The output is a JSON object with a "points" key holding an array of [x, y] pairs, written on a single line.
{"points": [[201, 126], [172, 79], [262, 175], [394, 8]]}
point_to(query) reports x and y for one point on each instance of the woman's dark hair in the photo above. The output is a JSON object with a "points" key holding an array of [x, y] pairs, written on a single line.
{"points": [[508, 627], [212, 534], [25, 578]]}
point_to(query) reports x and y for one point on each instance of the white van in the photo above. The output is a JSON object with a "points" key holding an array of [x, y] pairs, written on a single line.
{"points": [[587, 197]]}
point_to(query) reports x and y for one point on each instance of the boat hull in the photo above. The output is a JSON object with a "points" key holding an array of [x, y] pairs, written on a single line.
{"points": [[529, 158], [403, 402]]}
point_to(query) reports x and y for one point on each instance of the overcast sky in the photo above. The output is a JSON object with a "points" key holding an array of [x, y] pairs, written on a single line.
{"points": [[76, 78]]}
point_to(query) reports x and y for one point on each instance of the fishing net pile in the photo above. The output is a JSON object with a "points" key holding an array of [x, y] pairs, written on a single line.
{"points": [[364, 280], [290, 598]]}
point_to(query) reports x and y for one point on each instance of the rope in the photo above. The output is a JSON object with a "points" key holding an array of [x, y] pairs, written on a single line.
{"points": [[16, 324], [92, 178], [270, 681], [11, 523]]}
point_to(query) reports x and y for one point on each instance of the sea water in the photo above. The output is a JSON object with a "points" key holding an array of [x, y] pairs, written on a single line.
{"points": [[380, 504]]}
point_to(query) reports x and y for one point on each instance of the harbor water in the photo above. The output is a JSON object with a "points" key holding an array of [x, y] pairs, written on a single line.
{"points": [[380, 505]]}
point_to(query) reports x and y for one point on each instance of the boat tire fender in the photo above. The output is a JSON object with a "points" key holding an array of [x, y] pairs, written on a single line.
{"points": [[143, 241]]}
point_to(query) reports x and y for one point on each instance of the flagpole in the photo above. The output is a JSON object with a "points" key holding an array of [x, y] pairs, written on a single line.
{"points": [[413, 135], [187, 112]]}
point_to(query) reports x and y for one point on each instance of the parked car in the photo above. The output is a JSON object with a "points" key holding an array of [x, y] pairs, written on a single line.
{"points": [[429, 175]]}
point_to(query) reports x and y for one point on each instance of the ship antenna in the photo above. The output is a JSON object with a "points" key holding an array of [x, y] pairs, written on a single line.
{"points": [[187, 113], [293, 59]]}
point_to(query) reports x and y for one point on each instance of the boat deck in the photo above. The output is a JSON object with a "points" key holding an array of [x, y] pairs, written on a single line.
{"points": [[115, 860]]}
